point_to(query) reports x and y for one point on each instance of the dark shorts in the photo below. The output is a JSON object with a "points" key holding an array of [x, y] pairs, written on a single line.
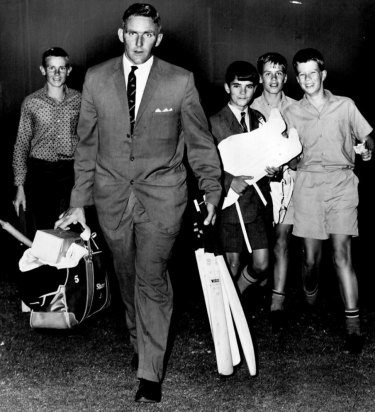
{"points": [[48, 186], [258, 231]]}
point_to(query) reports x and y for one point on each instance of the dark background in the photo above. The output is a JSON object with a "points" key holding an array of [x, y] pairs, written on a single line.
{"points": [[201, 35]]}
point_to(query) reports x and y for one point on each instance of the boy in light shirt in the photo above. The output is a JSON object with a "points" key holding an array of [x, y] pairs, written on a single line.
{"points": [[272, 68], [325, 196]]}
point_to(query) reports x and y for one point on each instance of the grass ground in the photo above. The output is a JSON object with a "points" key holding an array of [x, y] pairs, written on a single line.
{"points": [[88, 369]]}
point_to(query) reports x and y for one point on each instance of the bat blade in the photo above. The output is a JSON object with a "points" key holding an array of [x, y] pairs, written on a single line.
{"points": [[236, 357], [213, 295], [238, 316]]}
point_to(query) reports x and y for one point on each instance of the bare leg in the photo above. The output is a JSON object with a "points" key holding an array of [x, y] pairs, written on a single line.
{"points": [[342, 261], [281, 252], [233, 260], [312, 253], [348, 283]]}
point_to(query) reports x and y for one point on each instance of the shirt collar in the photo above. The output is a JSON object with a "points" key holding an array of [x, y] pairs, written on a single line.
{"points": [[236, 110], [327, 94], [282, 101], [144, 67], [67, 91]]}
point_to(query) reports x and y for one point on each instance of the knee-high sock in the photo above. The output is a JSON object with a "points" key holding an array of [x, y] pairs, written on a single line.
{"points": [[352, 321], [311, 295], [245, 280], [277, 302]]}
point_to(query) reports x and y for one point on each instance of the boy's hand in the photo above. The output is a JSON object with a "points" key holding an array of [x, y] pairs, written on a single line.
{"points": [[239, 184], [369, 145], [20, 200], [272, 171], [366, 155], [363, 150], [293, 163]]}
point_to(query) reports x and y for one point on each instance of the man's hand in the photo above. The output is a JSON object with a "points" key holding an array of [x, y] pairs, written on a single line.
{"points": [[211, 214], [20, 200], [239, 184], [72, 215]]}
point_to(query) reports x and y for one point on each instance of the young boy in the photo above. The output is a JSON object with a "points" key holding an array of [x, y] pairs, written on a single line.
{"points": [[272, 68], [325, 196], [236, 117], [45, 145]]}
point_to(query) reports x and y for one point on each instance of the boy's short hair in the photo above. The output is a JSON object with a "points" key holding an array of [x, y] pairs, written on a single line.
{"points": [[243, 71], [54, 52], [305, 55], [273, 58], [142, 9]]}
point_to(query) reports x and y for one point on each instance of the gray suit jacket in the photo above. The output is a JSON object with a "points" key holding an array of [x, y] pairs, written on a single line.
{"points": [[110, 163]]}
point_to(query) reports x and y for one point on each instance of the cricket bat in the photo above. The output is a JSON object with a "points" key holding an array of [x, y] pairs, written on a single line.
{"points": [[236, 357], [213, 295], [238, 316]]}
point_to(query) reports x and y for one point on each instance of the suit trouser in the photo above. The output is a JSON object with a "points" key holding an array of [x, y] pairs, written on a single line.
{"points": [[141, 253]]}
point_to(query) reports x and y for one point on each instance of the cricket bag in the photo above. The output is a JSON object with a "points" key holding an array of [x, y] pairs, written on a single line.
{"points": [[64, 298]]}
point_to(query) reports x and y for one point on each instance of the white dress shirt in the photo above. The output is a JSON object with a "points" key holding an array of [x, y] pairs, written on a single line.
{"points": [[237, 112], [141, 75]]}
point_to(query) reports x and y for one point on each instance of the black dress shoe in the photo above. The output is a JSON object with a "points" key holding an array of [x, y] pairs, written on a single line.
{"points": [[134, 362], [148, 391]]}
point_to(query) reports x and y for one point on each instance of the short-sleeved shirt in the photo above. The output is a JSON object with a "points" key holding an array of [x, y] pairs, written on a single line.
{"points": [[47, 130], [260, 104], [327, 136], [325, 196]]}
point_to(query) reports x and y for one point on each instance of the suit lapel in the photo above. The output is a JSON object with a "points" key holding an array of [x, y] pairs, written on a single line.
{"points": [[151, 85], [119, 84], [231, 120]]}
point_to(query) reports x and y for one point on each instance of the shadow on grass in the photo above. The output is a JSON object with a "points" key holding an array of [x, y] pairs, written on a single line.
{"points": [[88, 369]]}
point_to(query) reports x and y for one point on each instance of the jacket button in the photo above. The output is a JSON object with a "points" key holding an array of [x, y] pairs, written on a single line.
{"points": [[132, 182], [131, 158]]}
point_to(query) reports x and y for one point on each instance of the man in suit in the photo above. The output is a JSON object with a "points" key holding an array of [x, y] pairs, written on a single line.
{"points": [[129, 163]]}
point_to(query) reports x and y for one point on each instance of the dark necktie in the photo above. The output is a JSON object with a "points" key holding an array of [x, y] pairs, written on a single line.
{"points": [[243, 123], [132, 85]]}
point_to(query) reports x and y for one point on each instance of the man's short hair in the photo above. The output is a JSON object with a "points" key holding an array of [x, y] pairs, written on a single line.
{"points": [[243, 71], [142, 9], [273, 58], [305, 55], [54, 52]]}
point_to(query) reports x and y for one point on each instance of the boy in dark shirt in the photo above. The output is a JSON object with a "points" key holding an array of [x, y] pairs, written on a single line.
{"points": [[46, 141], [236, 117]]}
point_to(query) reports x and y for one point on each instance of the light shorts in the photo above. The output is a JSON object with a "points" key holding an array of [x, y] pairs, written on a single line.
{"points": [[289, 215], [325, 202]]}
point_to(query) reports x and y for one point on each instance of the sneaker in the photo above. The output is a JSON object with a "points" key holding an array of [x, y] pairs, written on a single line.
{"points": [[278, 320], [311, 296], [353, 344]]}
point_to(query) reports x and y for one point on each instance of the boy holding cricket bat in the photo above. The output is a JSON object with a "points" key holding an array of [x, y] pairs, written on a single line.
{"points": [[236, 117]]}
